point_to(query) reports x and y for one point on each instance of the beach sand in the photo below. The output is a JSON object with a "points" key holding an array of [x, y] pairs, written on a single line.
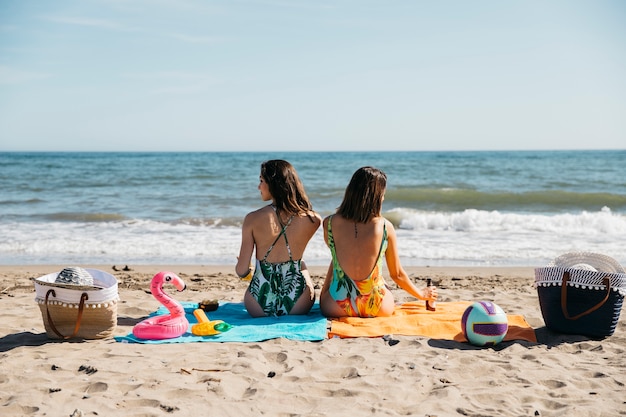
{"points": [[561, 375]]}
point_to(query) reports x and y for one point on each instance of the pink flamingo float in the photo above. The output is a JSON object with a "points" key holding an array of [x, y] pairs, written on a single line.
{"points": [[165, 326]]}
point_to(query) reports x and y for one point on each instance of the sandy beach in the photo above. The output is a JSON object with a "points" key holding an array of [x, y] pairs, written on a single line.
{"points": [[560, 375]]}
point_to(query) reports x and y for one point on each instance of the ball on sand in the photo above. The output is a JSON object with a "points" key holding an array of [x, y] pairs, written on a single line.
{"points": [[484, 323]]}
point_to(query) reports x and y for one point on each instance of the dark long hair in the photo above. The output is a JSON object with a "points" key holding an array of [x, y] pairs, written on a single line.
{"points": [[285, 187], [364, 195]]}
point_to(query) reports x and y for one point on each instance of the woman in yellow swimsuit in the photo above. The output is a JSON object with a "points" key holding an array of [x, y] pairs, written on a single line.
{"points": [[359, 237], [279, 234]]}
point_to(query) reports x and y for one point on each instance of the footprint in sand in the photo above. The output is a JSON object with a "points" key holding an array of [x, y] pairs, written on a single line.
{"points": [[97, 387]]}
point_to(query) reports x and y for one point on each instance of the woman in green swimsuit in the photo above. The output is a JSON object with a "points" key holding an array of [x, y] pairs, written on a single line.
{"points": [[278, 233], [359, 237]]}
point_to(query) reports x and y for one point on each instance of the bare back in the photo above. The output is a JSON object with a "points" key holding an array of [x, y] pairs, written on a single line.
{"points": [[265, 228], [357, 248]]}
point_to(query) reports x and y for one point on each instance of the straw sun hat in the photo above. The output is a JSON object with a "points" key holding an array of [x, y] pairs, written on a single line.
{"points": [[75, 278], [588, 261]]}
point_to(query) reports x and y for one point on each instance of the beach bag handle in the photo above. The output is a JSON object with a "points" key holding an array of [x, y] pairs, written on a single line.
{"points": [[566, 277], [81, 307]]}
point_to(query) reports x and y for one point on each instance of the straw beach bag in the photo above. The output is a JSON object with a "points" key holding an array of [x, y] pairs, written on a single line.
{"points": [[581, 293], [78, 303]]}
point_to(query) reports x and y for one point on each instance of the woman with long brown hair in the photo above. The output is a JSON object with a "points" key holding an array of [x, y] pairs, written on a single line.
{"points": [[359, 237], [278, 233]]}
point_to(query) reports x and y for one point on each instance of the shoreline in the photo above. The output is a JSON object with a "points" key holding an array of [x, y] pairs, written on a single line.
{"points": [[316, 271]]}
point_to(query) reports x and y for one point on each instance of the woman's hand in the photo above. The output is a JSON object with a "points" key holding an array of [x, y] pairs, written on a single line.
{"points": [[430, 293], [248, 275]]}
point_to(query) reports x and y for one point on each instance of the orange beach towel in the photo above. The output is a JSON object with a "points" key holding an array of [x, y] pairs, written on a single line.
{"points": [[412, 319]]}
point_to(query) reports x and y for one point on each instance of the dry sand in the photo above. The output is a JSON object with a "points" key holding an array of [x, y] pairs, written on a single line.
{"points": [[561, 375]]}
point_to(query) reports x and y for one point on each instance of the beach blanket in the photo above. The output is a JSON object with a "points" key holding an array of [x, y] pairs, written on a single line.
{"points": [[412, 319], [311, 327]]}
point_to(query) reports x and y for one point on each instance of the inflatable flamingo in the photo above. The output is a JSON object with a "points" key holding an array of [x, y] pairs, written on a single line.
{"points": [[166, 326]]}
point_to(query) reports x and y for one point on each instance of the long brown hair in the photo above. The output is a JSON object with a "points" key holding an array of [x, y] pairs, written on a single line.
{"points": [[286, 188], [364, 195]]}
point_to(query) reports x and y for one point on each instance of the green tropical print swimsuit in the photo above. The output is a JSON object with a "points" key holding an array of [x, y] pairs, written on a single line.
{"points": [[277, 286]]}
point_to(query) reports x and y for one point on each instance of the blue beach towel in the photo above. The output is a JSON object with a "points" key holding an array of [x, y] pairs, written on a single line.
{"points": [[311, 327]]}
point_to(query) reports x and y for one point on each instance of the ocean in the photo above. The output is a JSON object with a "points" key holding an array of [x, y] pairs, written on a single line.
{"points": [[518, 208]]}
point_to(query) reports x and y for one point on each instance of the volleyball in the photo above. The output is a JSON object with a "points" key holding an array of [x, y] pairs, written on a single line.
{"points": [[484, 324]]}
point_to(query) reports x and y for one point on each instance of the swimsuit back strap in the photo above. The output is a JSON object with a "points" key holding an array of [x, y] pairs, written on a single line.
{"points": [[286, 241], [331, 240], [282, 233], [331, 243], [382, 243]]}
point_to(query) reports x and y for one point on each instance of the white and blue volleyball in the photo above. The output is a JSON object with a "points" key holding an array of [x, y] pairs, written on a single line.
{"points": [[484, 324]]}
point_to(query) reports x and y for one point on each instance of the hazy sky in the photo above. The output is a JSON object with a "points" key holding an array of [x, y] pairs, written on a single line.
{"points": [[312, 75]]}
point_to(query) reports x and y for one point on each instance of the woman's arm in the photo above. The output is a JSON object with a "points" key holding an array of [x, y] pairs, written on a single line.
{"points": [[247, 248], [398, 274]]}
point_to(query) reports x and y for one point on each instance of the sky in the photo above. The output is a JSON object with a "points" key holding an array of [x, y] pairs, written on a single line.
{"points": [[312, 75]]}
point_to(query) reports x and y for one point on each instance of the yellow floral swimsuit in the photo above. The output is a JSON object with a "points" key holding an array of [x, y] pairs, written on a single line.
{"points": [[357, 298]]}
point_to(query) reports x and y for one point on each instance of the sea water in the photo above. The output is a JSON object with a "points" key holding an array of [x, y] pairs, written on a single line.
{"points": [[449, 208]]}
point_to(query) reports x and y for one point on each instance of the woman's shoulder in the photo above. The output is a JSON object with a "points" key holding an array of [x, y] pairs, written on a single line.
{"points": [[389, 228], [311, 217], [333, 218], [259, 213], [325, 221], [314, 215]]}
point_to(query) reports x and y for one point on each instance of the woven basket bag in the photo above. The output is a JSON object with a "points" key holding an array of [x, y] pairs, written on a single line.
{"points": [[78, 311], [581, 293]]}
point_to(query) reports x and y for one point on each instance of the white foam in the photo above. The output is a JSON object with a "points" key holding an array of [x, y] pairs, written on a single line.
{"points": [[470, 237], [491, 237]]}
